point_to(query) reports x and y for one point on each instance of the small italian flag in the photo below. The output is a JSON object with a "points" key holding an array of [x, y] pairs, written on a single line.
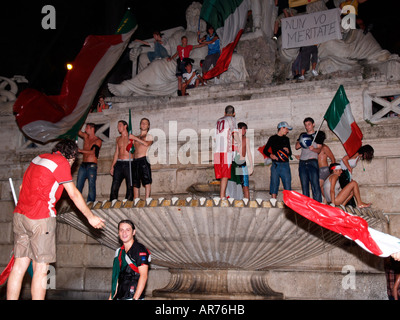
{"points": [[341, 121], [228, 18], [45, 118]]}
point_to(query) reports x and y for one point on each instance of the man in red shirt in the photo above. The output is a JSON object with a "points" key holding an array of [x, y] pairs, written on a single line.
{"points": [[35, 216], [183, 51]]}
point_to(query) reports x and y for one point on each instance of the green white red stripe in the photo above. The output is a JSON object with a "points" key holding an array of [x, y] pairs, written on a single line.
{"points": [[352, 227], [228, 18], [341, 121], [44, 118]]}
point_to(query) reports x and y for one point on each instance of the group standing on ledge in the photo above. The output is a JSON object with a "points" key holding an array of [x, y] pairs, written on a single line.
{"points": [[333, 182]]}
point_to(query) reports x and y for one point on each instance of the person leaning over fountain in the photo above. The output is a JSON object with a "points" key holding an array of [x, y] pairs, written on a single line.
{"points": [[35, 216], [226, 137], [141, 169], [130, 266], [121, 165]]}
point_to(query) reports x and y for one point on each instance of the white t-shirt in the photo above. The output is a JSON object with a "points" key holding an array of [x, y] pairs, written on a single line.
{"points": [[186, 76], [223, 134]]}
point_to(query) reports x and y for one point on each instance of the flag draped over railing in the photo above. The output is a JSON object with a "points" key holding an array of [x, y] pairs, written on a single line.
{"points": [[228, 18], [45, 118]]}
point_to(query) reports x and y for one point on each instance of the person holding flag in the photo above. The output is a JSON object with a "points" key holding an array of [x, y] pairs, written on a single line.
{"points": [[228, 19], [308, 164], [211, 39], [122, 161]]}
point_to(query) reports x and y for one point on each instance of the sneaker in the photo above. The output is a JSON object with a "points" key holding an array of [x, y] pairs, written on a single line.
{"points": [[314, 72], [275, 38], [301, 78]]}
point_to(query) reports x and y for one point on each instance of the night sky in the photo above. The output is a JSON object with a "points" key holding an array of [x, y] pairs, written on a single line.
{"points": [[41, 55]]}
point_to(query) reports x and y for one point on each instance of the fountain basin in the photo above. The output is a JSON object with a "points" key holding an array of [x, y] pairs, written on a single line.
{"points": [[217, 250]]}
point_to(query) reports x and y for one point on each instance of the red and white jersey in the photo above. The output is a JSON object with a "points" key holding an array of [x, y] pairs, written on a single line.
{"points": [[42, 186], [223, 134], [184, 52]]}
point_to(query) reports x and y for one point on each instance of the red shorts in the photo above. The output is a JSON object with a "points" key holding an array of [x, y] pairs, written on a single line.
{"points": [[222, 165]]}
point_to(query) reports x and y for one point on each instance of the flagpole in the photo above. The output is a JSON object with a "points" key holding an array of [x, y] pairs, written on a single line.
{"points": [[131, 132], [13, 191], [323, 119]]}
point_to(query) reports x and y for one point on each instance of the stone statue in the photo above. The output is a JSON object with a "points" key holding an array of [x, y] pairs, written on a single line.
{"points": [[354, 51], [257, 58], [158, 78], [8, 93]]}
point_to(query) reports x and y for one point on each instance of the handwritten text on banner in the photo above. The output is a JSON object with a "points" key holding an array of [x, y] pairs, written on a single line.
{"points": [[309, 29]]}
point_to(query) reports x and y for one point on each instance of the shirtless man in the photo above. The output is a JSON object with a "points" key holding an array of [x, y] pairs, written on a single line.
{"points": [[88, 167], [325, 154], [122, 164], [141, 170]]}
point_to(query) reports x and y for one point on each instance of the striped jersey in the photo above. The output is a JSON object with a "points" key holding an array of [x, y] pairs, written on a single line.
{"points": [[223, 134], [42, 185]]}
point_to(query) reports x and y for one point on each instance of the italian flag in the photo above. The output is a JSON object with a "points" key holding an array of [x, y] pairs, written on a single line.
{"points": [[228, 18], [44, 118], [352, 227], [341, 121]]}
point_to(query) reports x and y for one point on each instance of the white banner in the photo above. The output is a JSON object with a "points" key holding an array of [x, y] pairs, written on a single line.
{"points": [[309, 29]]}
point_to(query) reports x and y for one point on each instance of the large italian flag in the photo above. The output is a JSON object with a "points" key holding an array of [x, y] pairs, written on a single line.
{"points": [[44, 118], [352, 227], [341, 121], [228, 18]]}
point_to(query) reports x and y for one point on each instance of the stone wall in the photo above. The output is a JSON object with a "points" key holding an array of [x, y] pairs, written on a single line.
{"points": [[84, 267]]}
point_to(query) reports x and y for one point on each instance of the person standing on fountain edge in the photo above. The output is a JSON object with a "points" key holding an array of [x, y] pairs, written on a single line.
{"points": [[121, 162], [141, 169], [226, 138], [88, 167], [35, 216], [308, 164], [278, 149]]}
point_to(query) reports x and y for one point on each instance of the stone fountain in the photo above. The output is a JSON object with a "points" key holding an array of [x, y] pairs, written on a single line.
{"points": [[217, 249]]}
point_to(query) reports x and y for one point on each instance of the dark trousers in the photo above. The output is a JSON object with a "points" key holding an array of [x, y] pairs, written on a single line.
{"points": [[121, 172]]}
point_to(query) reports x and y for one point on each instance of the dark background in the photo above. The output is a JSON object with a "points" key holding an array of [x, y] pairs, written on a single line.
{"points": [[40, 55]]}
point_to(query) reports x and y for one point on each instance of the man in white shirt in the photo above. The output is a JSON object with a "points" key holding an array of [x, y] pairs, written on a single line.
{"points": [[227, 138]]}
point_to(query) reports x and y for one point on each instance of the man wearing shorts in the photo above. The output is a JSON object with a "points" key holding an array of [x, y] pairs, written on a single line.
{"points": [[245, 160], [226, 136], [141, 171], [35, 216]]}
